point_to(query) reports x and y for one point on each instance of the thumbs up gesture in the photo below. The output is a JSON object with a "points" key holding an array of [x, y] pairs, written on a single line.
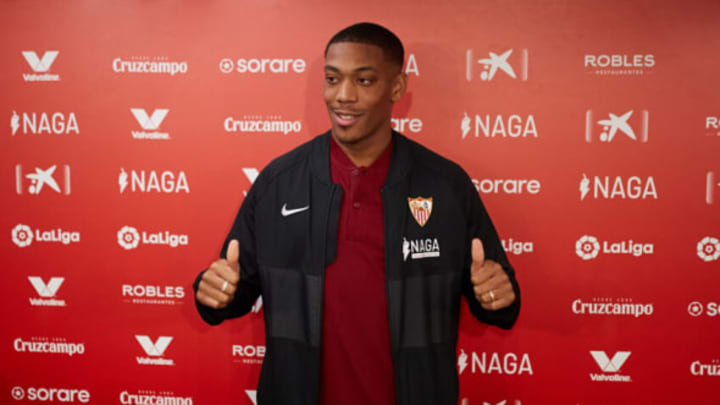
{"points": [[491, 284], [219, 282]]}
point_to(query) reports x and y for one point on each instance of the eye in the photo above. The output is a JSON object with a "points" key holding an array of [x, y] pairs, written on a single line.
{"points": [[331, 79], [364, 81]]}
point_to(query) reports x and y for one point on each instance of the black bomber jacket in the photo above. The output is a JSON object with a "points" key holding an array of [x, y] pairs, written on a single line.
{"points": [[427, 269]]}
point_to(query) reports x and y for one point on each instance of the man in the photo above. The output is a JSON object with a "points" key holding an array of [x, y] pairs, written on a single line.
{"points": [[361, 243]]}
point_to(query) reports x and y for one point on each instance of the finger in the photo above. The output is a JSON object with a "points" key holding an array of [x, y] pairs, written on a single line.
{"points": [[483, 294], [478, 251], [498, 304], [481, 274], [207, 301], [233, 255], [495, 280], [214, 293], [218, 283], [224, 271]]}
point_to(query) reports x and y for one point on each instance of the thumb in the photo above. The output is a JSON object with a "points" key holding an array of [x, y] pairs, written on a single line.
{"points": [[233, 255], [478, 252]]}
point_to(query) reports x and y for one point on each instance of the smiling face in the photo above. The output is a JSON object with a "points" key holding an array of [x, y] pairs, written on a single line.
{"points": [[360, 88]]}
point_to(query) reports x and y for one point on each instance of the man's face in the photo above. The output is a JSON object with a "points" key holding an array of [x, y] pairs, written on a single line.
{"points": [[360, 88]]}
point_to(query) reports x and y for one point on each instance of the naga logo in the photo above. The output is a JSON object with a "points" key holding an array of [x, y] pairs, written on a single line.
{"points": [[248, 354], [36, 181], [610, 366], [507, 186], [712, 124], [517, 247], [405, 125], [129, 238], [47, 292], [45, 345], [151, 181], [153, 397], [276, 66], [150, 123], [617, 125], [40, 65], [420, 248], [609, 188], [495, 363], [269, 124], [155, 350], [513, 126], [712, 369], [711, 187], [619, 64], [708, 249], [712, 309], [51, 394], [494, 63], [56, 123], [153, 294], [608, 306], [23, 236], [150, 65], [588, 247]]}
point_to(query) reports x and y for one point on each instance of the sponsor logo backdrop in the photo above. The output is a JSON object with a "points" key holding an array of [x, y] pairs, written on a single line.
{"points": [[132, 132]]}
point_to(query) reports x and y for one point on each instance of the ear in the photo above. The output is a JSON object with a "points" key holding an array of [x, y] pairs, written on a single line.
{"points": [[399, 86]]}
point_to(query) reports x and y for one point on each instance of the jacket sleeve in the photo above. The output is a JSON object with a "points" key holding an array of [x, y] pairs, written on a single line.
{"points": [[248, 290], [480, 226]]}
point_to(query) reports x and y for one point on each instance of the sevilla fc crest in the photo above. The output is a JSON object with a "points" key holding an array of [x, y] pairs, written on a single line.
{"points": [[421, 208]]}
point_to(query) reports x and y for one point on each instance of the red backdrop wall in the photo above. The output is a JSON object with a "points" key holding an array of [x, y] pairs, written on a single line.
{"points": [[133, 129]]}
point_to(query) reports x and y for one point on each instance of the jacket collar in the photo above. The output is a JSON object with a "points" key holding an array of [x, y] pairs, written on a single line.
{"points": [[400, 161]]}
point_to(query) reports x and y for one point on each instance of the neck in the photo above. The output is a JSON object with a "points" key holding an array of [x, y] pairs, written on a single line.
{"points": [[366, 152]]}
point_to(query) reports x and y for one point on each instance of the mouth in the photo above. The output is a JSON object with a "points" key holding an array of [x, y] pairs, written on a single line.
{"points": [[346, 118]]}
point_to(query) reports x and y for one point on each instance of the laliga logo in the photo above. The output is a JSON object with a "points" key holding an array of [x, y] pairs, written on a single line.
{"points": [[22, 235], [128, 237], [587, 247], [708, 249]]}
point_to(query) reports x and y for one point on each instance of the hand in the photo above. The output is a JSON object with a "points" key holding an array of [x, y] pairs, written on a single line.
{"points": [[491, 284], [219, 282]]}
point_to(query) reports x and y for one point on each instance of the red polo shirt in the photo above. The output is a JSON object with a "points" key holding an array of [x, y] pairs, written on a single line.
{"points": [[357, 364]]}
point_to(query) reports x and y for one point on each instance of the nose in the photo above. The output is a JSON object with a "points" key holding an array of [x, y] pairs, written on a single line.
{"points": [[347, 93]]}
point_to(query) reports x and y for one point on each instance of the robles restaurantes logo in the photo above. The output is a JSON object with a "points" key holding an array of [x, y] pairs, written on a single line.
{"points": [[153, 294], [248, 354], [155, 350], [141, 181], [610, 367], [609, 188], [619, 64], [494, 363], [33, 123], [265, 65], [588, 247], [129, 238], [612, 307], [36, 181], [712, 125], [507, 186], [617, 124], [47, 345], [149, 65], [512, 126], [47, 292], [516, 247], [40, 65], [497, 62], [150, 123], [259, 124], [43, 394], [23, 236]]}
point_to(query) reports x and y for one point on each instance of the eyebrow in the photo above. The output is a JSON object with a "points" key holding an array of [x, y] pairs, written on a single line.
{"points": [[360, 69]]}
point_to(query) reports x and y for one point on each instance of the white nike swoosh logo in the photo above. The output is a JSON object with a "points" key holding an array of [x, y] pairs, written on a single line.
{"points": [[286, 212]]}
